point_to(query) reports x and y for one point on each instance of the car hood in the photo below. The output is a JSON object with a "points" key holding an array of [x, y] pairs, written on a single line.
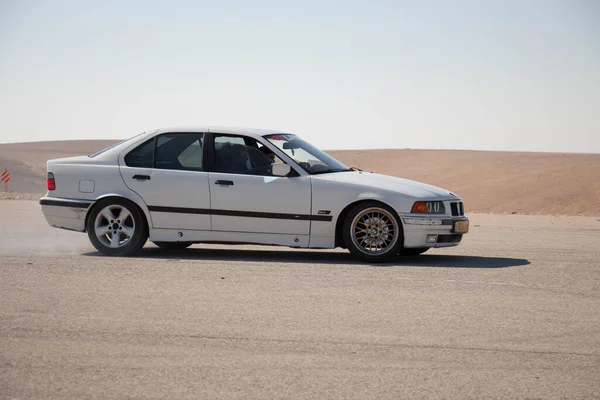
{"points": [[406, 187]]}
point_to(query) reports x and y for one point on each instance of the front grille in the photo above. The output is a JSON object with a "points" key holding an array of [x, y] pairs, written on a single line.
{"points": [[457, 209], [457, 237]]}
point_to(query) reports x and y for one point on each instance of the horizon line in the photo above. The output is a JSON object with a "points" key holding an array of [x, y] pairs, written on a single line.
{"points": [[356, 149]]}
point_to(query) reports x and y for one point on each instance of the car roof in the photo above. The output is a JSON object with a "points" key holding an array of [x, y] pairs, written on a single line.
{"points": [[252, 132]]}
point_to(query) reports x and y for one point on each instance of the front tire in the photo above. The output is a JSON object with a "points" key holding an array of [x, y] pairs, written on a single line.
{"points": [[173, 245], [372, 232], [116, 227]]}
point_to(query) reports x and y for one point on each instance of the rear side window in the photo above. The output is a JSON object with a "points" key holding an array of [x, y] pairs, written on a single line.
{"points": [[178, 151], [181, 151], [141, 156]]}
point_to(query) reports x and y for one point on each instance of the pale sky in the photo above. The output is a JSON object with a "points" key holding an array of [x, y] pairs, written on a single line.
{"points": [[491, 75]]}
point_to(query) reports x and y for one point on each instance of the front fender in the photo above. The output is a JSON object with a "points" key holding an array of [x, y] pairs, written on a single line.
{"points": [[333, 199]]}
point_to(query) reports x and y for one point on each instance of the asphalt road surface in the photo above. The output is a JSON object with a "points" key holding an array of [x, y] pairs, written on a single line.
{"points": [[514, 312]]}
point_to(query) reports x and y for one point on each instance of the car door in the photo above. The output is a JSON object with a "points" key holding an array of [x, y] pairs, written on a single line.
{"points": [[167, 172], [246, 197]]}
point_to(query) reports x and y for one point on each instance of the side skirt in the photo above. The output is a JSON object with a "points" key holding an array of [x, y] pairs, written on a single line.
{"points": [[276, 239]]}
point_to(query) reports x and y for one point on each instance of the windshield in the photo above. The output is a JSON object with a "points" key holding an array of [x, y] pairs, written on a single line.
{"points": [[307, 156]]}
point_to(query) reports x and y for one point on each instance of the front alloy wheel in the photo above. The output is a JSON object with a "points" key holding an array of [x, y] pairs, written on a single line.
{"points": [[372, 232], [116, 227]]}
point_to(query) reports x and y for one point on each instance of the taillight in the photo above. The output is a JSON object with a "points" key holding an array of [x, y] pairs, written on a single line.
{"points": [[50, 184]]}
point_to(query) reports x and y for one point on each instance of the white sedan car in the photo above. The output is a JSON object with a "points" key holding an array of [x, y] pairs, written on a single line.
{"points": [[182, 186]]}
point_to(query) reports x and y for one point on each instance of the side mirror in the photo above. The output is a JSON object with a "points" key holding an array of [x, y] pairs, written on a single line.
{"points": [[280, 169]]}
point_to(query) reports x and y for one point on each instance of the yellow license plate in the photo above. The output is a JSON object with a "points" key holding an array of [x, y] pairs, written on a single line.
{"points": [[461, 227]]}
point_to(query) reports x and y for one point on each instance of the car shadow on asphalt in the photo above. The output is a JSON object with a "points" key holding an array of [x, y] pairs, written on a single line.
{"points": [[324, 257]]}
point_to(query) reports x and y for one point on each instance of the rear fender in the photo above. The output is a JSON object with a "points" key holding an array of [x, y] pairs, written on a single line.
{"points": [[133, 197]]}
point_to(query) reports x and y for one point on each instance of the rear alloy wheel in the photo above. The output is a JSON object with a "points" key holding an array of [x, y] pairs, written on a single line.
{"points": [[413, 251], [173, 245], [372, 232], [116, 227]]}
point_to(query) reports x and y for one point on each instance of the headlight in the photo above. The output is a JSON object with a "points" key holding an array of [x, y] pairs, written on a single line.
{"points": [[428, 207]]}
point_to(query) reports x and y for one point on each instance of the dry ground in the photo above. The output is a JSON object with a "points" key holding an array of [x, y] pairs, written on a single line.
{"points": [[491, 182], [514, 312]]}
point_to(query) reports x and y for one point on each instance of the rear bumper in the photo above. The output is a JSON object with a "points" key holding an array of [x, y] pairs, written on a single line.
{"points": [[65, 213], [440, 231]]}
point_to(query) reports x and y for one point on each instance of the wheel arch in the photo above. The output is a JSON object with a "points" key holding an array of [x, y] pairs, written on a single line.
{"points": [[339, 224], [138, 203]]}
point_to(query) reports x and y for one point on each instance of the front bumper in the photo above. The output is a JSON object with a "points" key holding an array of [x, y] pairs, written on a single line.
{"points": [[65, 213], [431, 231]]}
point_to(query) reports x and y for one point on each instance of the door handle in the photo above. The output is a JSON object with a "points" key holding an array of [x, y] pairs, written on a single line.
{"points": [[224, 183], [141, 177]]}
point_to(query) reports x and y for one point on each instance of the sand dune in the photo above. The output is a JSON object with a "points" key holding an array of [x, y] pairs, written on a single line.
{"points": [[495, 182], [27, 161]]}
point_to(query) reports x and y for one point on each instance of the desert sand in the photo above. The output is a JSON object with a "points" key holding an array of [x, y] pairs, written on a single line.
{"points": [[487, 181]]}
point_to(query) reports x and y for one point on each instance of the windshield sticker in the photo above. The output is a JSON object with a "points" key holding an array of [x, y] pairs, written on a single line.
{"points": [[282, 137]]}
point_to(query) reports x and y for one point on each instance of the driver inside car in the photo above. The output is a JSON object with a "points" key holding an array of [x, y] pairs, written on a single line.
{"points": [[266, 151]]}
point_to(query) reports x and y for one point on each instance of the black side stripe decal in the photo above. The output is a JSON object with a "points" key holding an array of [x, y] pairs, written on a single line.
{"points": [[179, 210], [234, 213], [205, 211], [65, 203]]}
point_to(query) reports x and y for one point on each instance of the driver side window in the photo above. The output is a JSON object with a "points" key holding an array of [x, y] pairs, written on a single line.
{"points": [[241, 155]]}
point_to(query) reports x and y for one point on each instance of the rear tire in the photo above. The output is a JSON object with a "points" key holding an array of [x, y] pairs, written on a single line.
{"points": [[117, 227], [413, 252], [173, 245], [372, 232]]}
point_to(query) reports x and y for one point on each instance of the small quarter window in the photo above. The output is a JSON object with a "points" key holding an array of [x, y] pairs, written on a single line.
{"points": [[141, 156]]}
